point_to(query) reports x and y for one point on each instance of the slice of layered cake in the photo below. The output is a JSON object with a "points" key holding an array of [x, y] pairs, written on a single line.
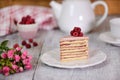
{"points": [[74, 47]]}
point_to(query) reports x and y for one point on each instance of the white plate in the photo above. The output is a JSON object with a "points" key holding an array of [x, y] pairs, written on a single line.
{"points": [[107, 37], [52, 58]]}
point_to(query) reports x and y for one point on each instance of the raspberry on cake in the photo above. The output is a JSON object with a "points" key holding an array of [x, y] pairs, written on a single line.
{"points": [[74, 47]]}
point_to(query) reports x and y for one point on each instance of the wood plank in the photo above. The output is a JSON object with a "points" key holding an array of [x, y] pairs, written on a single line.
{"points": [[113, 7], [5, 3], [34, 52]]}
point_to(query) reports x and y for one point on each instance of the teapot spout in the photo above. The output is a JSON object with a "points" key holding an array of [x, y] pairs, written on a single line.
{"points": [[56, 8]]}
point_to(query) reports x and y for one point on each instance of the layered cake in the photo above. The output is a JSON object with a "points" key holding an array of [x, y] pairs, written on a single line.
{"points": [[74, 47]]}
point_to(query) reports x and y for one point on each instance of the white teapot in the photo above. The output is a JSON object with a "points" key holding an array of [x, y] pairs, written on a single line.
{"points": [[77, 13]]}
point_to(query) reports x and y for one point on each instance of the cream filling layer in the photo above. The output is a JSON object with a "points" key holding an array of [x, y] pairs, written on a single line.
{"points": [[73, 59], [78, 53], [73, 48], [74, 45], [69, 57], [74, 42], [73, 38]]}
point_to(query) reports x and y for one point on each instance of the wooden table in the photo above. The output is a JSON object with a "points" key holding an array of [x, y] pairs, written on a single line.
{"points": [[49, 40]]}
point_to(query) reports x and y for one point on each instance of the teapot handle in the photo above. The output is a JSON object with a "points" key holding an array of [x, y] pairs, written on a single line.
{"points": [[105, 13]]}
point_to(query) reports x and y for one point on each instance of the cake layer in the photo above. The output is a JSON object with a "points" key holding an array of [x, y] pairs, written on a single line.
{"points": [[69, 54], [75, 56], [73, 42], [73, 48], [74, 59], [73, 45]]}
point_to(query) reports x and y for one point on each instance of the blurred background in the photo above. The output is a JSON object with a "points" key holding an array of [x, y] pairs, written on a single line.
{"points": [[114, 5]]}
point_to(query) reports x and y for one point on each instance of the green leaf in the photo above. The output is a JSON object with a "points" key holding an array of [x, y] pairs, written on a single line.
{"points": [[2, 63], [6, 48], [4, 43], [3, 46]]}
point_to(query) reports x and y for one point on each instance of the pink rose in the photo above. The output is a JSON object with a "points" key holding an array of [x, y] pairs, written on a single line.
{"points": [[10, 53], [4, 55], [17, 58], [28, 66], [6, 70], [29, 57], [18, 48], [6, 74], [20, 69], [26, 61], [25, 52], [15, 67], [24, 55]]}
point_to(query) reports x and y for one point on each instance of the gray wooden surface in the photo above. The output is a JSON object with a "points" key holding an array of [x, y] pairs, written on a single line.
{"points": [[49, 40]]}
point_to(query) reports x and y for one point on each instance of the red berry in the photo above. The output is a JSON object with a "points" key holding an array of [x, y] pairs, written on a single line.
{"points": [[28, 46], [16, 45], [24, 42], [35, 44], [28, 17], [31, 21], [77, 29], [71, 33], [30, 40], [24, 19], [75, 34], [81, 34], [27, 22]]}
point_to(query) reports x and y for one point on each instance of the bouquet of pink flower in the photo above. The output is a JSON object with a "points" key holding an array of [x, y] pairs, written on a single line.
{"points": [[13, 60]]}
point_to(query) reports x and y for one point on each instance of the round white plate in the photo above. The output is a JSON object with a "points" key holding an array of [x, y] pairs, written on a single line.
{"points": [[107, 37], [52, 58]]}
